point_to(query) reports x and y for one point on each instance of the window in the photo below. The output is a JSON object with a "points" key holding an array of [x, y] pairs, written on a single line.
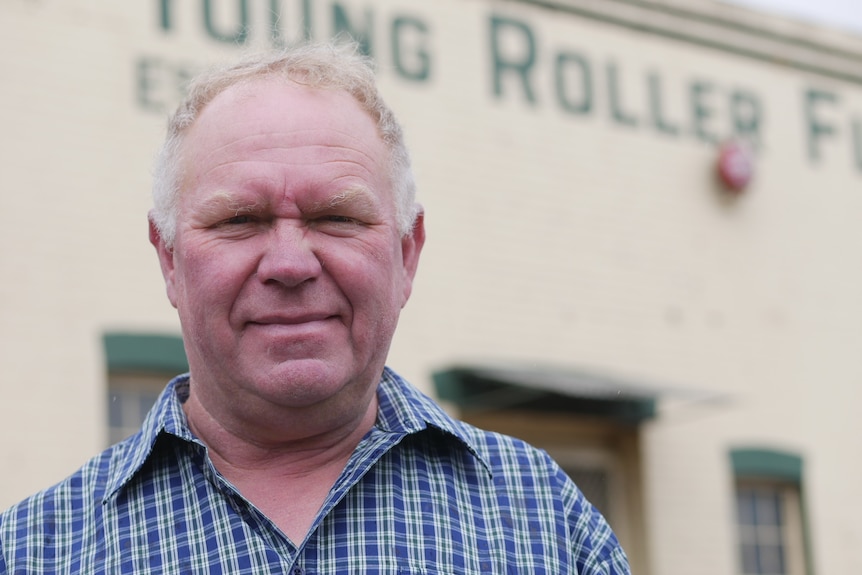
{"points": [[139, 367], [130, 397], [770, 526]]}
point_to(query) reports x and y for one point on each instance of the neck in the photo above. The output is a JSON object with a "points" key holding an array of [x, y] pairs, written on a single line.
{"points": [[289, 479], [250, 449]]}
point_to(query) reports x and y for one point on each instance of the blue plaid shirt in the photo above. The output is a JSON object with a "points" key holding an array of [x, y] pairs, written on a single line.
{"points": [[422, 493]]}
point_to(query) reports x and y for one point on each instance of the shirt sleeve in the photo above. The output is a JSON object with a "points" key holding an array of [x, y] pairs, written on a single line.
{"points": [[596, 549], [3, 568]]}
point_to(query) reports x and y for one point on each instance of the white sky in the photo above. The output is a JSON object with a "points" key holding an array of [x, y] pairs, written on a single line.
{"points": [[845, 14]]}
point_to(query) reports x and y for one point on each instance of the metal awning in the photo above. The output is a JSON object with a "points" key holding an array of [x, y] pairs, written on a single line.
{"points": [[543, 388]]}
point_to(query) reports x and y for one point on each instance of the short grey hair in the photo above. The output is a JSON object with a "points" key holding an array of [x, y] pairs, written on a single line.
{"points": [[336, 65]]}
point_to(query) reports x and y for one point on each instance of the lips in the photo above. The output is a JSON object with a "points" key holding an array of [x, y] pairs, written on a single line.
{"points": [[279, 319], [294, 327]]}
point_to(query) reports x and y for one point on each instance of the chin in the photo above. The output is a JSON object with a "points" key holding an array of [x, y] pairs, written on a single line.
{"points": [[301, 383]]}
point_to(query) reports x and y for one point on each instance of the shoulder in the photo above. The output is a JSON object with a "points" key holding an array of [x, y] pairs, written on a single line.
{"points": [[517, 466], [105, 472], [507, 459], [62, 512], [110, 469], [537, 481], [522, 484], [86, 485]]}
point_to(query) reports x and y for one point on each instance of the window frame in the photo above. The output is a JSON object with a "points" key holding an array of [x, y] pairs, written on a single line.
{"points": [[779, 472]]}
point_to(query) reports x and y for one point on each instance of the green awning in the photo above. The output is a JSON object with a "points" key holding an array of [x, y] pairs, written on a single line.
{"points": [[545, 389]]}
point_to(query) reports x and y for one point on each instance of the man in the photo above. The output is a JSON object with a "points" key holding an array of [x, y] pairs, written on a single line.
{"points": [[288, 235]]}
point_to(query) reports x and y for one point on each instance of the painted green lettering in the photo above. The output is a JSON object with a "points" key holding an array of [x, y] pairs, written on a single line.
{"points": [[239, 35], [701, 112], [746, 112], [857, 143], [146, 84], [307, 23], [656, 108], [420, 70], [342, 23], [566, 61], [619, 115], [816, 128], [165, 14], [159, 85], [521, 66], [275, 34]]}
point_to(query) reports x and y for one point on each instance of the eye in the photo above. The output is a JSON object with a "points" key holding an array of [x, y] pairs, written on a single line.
{"points": [[237, 220], [336, 219], [337, 224], [238, 224]]}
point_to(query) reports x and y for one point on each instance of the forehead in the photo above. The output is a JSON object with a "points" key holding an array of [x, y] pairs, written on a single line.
{"points": [[275, 117]]}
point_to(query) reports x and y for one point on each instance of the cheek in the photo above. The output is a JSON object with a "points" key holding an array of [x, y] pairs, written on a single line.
{"points": [[374, 288], [209, 281]]}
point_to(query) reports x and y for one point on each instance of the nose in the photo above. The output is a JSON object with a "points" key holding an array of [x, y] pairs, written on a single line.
{"points": [[289, 258]]}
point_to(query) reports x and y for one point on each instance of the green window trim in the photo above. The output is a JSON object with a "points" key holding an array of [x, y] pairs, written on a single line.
{"points": [[771, 464], [145, 352], [767, 463]]}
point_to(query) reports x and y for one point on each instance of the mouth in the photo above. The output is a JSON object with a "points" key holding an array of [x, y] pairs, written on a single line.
{"points": [[293, 327], [292, 337], [290, 320]]}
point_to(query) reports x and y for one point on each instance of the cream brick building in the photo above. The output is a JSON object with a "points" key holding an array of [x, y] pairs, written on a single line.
{"points": [[690, 354]]}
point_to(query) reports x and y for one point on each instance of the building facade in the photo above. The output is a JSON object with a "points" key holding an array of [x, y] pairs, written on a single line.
{"points": [[643, 251]]}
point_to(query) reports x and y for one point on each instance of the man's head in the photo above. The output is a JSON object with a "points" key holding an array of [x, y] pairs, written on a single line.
{"points": [[333, 66], [289, 241]]}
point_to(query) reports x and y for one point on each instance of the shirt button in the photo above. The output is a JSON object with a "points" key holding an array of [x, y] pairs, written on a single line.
{"points": [[298, 571]]}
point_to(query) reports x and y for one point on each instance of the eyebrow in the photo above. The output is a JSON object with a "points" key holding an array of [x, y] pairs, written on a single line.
{"points": [[358, 197], [221, 202]]}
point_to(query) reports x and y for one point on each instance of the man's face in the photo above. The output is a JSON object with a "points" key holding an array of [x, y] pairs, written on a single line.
{"points": [[288, 271]]}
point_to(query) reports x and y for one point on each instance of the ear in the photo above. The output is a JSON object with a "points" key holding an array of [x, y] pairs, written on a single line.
{"points": [[411, 247], [166, 259]]}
